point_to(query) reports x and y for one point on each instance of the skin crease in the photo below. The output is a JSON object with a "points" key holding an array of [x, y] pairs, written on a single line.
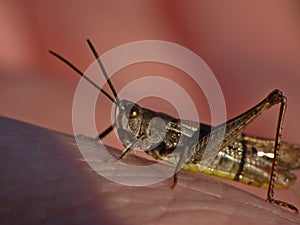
{"points": [[252, 47]]}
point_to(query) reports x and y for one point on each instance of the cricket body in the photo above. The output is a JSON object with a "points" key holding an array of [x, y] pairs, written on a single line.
{"points": [[238, 156], [241, 157]]}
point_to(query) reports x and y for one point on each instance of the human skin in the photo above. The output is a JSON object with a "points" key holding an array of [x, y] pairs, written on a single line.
{"points": [[45, 180], [252, 48]]}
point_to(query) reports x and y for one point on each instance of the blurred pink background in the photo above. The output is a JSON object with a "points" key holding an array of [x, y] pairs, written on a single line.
{"points": [[252, 47]]}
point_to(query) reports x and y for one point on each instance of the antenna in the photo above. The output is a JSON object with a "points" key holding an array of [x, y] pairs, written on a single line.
{"points": [[103, 70], [84, 76]]}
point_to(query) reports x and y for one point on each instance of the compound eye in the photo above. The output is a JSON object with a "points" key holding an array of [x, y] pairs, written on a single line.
{"points": [[133, 112]]}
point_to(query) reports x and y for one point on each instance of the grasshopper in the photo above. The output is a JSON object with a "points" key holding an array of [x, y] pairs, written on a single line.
{"points": [[239, 156]]}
